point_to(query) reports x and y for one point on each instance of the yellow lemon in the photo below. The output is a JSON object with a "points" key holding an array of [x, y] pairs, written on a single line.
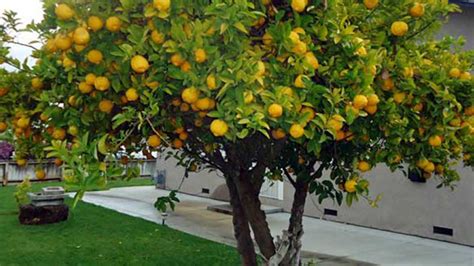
{"points": [[154, 141], [363, 166], [429, 168], [219, 128], [84, 87], [275, 110], [469, 111], [95, 23], [81, 36], [299, 5], [435, 141], [465, 76], [40, 174], [278, 133], [132, 95], [399, 97], [309, 112], [102, 83], [23, 122], [360, 101], [139, 64], [113, 24], [59, 134], [371, 4], [64, 12], [106, 106], [211, 82], [203, 104], [311, 60], [260, 69], [157, 37], [371, 109], [95, 56], [90, 78], [186, 66], [350, 186], [267, 39], [162, 5], [299, 83], [373, 99], [248, 97], [417, 10], [62, 42], [300, 48], [336, 122], [200, 55], [37, 83], [388, 84], [68, 63], [296, 131], [3, 127], [399, 28], [190, 95], [408, 72], [454, 72], [177, 60]]}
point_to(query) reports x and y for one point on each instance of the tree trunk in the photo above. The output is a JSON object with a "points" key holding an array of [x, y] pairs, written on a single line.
{"points": [[295, 228], [241, 227], [257, 218]]}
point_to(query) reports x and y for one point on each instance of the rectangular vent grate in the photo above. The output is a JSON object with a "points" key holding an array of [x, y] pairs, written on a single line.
{"points": [[330, 212], [205, 190], [443, 231]]}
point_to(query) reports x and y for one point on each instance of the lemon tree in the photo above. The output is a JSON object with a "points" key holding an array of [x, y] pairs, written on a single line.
{"points": [[257, 90]]}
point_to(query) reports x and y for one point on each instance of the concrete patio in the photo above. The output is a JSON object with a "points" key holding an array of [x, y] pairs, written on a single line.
{"points": [[330, 243]]}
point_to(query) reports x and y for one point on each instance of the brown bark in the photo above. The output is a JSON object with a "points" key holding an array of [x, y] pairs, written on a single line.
{"points": [[296, 224], [241, 227], [257, 218]]}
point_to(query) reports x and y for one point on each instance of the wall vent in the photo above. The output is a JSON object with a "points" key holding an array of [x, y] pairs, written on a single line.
{"points": [[205, 190], [443, 231], [330, 212]]}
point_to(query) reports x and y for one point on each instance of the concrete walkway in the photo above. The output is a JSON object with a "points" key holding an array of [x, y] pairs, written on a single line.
{"points": [[330, 242]]}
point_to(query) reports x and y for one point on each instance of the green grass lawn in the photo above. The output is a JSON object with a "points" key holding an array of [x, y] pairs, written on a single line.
{"points": [[98, 236]]}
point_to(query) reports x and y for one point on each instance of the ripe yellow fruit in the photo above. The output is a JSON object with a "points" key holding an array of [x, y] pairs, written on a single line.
{"points": [[68, 63], [132, 95], [371, 109], [417, 10], [183, 136], [84, 87], [59, 134], [73, 130], [154, 141], [399, 28], [248, 97], [418, 107], [388, 84], [139, 64], [360, 101], [363, 166], [203, 104], [3, 127], [90, 78], [106, 106], [178, 144], [64, 12], [465, 76], [177, 60], [81, 36], [102, 83], [62, 42], [23, 122], [219, 128], [275, 110], [162, 5], [408, 72], [454, 72], [309, 112], [36, 83], [200, 55], [300, 48], [278, 133], [186, 66], [211, 82], [190, 95], [311, 60], [296, 131], [299, 83], [350, 186], [95, 56], [371, 4], [267, 39], [95, 23], [79, 48], [260, 69], [435, 141], [113, 24], [336, 122], [299, 5], [469, 111], [340, 135], [361, 51], [399, 97], [157, 37], [373, 99], [429, 168]]}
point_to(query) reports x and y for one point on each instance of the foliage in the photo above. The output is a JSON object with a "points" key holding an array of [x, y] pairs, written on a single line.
{"points": [[162, 203], [21, 193]]}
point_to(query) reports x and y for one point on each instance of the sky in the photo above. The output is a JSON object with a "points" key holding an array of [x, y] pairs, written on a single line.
{"points": [[28, 10]]}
